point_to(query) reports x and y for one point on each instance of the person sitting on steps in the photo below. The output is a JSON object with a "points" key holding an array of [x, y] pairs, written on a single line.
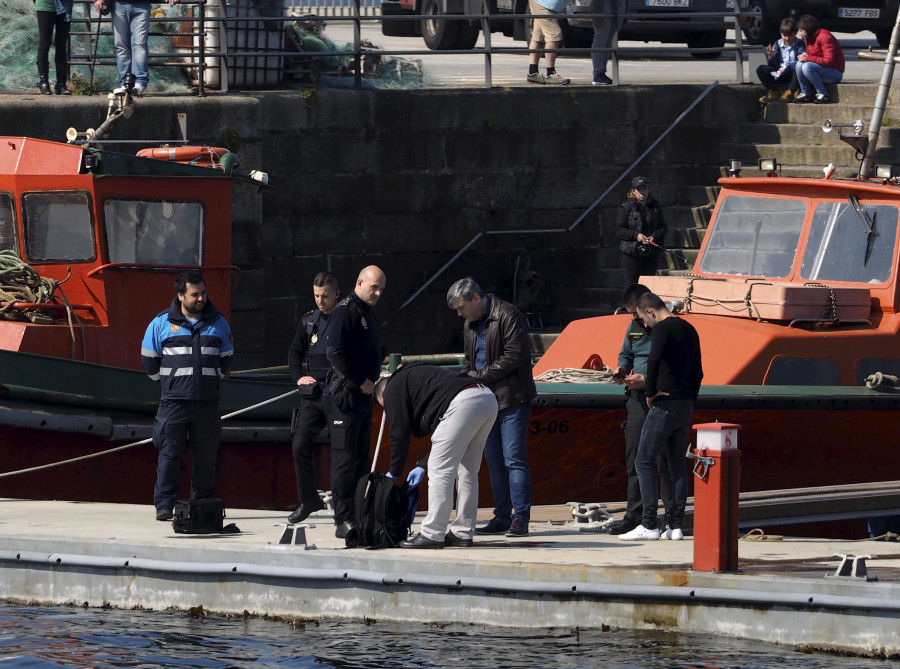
{"points": [[780, 68]]}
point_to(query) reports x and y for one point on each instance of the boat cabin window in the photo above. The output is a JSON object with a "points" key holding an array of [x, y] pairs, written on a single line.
{"points": [[159, 232], [58, 227], [7, 222], [851, 242], [803, 372], [754, 236]]}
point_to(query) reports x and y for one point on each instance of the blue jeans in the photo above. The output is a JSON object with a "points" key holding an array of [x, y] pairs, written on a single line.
{"points": [[603, 31], [506, 452], [666, 430], [131, 30], [813, 75]]}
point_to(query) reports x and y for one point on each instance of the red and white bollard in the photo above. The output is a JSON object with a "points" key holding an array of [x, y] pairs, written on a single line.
{"points": [[717, 487]]}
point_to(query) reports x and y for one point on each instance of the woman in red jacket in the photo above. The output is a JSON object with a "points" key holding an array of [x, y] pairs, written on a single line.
{"points": [[822, 64]]}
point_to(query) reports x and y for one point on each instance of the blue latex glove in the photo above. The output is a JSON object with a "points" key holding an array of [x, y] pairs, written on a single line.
{"points": [[389, 475], [415, 477]]}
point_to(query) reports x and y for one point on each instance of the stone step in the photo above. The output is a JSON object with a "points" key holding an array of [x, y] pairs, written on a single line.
{"points": [[679, 217], [702, 215], [606, 296], [687, 238], [789, 155], [541, 339], [860, 94], [675, 272], [779, 112], [793, 133], [695, 196], [610, 275], [678, 259]]}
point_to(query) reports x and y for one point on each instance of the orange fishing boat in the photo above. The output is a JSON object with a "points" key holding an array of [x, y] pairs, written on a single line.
{"points": [[90, 244], [794, 295]]}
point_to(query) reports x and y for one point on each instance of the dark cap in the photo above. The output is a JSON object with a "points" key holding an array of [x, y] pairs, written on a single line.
{"points": [[637, 182]]}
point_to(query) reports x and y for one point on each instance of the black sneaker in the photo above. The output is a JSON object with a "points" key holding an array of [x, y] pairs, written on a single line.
{"points": [[803, 97], [518, 528], [623, 526], [822, 99], [602, 80], [164, 513], [496, 526]]}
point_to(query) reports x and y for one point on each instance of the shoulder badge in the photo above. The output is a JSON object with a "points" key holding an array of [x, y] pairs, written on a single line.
{"points": [[174, 327]]}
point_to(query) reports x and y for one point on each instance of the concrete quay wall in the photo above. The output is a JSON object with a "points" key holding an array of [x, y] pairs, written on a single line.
{"points": [[785, 591], [407, 179]]}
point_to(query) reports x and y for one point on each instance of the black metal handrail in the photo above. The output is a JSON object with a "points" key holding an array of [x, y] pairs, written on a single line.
{"points": [[196, 56]]}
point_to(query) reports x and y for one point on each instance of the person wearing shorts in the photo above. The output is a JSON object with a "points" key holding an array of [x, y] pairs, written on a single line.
{"points": [[546, 33]]}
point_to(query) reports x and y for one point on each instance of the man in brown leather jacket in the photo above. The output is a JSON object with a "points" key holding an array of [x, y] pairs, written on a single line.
{"points": [[498, 354]]}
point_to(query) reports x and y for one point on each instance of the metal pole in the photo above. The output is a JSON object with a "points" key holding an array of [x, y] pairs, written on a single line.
{"points": [[486, 31], [94, 57], [201, 69], [738, 43], [357, 38], [884, 87]]}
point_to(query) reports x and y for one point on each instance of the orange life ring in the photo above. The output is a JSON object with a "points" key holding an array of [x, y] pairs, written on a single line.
{"points": [[185, 154]]}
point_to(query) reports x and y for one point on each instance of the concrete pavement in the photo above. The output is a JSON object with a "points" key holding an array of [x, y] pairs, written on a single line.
{"points": [[55, 552], [640, 63]]}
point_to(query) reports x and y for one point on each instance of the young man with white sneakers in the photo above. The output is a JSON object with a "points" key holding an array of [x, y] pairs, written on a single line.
{"points": [[674, 373]]}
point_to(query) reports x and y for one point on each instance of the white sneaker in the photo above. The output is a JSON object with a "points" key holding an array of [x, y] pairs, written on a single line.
{"points": [[672, 534], [640, 533], [137, 90]]}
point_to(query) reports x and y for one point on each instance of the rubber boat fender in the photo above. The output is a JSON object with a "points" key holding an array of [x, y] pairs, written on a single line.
{"points": [[185, 154]]}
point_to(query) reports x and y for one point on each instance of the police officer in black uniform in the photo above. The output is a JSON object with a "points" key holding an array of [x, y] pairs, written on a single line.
{"points": [[355, 354], [309, 365]]}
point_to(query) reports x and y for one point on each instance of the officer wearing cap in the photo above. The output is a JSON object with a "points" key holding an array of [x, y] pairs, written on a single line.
{"points": [[641, 230]]}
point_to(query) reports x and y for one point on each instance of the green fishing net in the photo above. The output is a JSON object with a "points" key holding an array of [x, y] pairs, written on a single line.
{"points": [[19, 43], [93, 63]]}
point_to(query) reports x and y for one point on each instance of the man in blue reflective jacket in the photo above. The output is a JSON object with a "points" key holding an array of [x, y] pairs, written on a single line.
{"points": [[188, 349]]}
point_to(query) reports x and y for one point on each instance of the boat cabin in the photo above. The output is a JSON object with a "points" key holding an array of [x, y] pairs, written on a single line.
{"points": [[795, 284], [111, 232]]}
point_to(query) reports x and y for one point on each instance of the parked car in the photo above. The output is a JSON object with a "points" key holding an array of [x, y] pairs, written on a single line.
{"points": [[658, 22], [846, 16], [655, 24]]}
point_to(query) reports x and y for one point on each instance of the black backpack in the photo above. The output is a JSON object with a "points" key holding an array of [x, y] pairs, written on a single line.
{"points": [[198, 516], [383, 512]]}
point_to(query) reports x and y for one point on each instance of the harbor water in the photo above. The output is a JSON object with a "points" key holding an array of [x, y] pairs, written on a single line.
{"points": [[44, 637]]}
